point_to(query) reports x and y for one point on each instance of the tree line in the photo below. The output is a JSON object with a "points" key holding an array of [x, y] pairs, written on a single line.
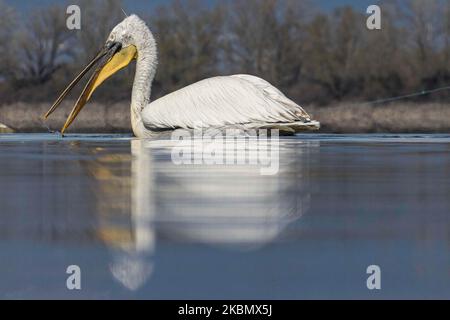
{"points": [[315, 56]]}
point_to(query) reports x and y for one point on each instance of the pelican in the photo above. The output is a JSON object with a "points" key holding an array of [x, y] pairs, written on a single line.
{"points": [[240, 100]]}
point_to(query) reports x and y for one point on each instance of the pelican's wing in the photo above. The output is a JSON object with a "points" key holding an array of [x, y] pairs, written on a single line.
{"points": [[223, 101]]}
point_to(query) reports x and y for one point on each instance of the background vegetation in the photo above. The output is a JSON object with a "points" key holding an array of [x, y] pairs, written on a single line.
{"points": [[319, 59]]}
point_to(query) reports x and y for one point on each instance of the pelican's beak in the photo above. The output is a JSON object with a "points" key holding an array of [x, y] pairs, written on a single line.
{"points": [[110, 60]]}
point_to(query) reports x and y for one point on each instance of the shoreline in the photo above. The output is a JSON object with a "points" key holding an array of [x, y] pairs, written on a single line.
{"points": [[341, 118], [5, 129]]}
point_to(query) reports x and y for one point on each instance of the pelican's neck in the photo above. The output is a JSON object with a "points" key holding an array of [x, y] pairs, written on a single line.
{"points": [[145, 73]]}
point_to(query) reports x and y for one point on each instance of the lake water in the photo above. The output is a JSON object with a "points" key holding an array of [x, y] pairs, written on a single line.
{"points": [[140, 225]]}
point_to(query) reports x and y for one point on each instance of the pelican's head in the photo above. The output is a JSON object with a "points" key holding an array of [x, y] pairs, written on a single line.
{"points": [[124, 42], [132, 31]]}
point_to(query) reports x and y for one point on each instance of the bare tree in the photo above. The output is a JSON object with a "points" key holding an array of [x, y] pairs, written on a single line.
{"points": [[381, 76], [44, 45], [266, 38], [8, 25], [335, 47], [189, 37], [98, 19], [423, 18], [446, 39], [253, 34], [312, 55]]}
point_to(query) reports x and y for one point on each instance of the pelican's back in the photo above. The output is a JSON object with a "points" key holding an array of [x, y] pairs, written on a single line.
{"points": [[223, 101]]}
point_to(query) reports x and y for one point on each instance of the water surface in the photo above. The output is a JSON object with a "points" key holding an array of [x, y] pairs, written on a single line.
{"points": [[140, 226]]}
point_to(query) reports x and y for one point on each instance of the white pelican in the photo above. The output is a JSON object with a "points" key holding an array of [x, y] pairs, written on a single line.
{"points": [[238, 100]]}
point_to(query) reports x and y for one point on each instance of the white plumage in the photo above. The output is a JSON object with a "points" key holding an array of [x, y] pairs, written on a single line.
{"points": [[242, 100], [222, 101]]}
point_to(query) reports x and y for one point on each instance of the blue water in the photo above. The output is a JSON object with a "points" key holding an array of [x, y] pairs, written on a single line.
{"points": [[140, 226]]}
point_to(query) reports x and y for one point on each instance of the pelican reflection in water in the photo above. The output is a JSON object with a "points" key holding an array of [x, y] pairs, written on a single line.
{"points": [[230, 207], [109, 209]]}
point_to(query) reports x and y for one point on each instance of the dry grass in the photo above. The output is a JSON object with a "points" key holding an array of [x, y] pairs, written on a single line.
{"points": [[23, 117], [395, 118]]}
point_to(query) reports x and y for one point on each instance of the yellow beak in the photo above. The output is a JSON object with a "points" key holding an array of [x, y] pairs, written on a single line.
{"points": [[115, 59], [119, 61]]}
